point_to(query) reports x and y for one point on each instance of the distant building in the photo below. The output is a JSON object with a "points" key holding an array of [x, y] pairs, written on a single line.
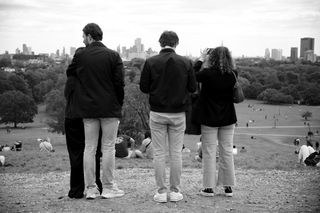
{"points": [[310, 56], [276, 54], [267, 54], [18, 51], [72, 51], [305, 45], [294, 54], [136, 51], [25, 49]]}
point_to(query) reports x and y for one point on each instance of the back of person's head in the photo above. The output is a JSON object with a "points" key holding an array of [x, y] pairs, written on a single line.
{"points": [[147, 134], [309, 143], [169, 38], [220, 59], [94, 30]]}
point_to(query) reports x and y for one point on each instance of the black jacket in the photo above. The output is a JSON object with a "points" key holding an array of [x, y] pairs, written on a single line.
{"points": [[215, 107], [168, 78], [95, 83]]}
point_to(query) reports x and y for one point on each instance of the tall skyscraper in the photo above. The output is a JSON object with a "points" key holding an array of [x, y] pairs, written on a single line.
{"points": [[305, 45], [294, 53], [24, 49], [267, 54], [276, 54], [137, 43]]}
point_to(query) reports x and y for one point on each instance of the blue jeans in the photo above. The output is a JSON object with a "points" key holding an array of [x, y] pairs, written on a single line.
{"points": [[109, 128], [209, 136], [167, 127]]}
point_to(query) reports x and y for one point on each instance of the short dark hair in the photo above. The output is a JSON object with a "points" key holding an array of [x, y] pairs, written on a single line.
{"points": [[147, 134], [94, 30], [169, 38]]}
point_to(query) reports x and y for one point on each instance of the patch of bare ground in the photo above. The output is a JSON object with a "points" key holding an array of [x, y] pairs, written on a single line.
{"points": [[256, 191]]}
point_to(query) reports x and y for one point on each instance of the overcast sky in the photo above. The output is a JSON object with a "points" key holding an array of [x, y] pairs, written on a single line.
{"points": [[247, 27]]}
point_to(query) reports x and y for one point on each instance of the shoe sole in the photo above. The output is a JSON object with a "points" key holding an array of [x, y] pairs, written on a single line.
{"points": [[111, 196], [160, 201], [229, 194], [207, 194]]}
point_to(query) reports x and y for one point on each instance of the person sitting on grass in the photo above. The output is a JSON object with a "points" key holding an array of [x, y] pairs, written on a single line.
{"points": [[45, 145], [125, 146], [146, 149], [304, 150]]}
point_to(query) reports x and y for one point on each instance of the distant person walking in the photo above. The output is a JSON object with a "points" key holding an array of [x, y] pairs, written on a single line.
{"points": [[217, 117], [99, 95], [168, 78]]}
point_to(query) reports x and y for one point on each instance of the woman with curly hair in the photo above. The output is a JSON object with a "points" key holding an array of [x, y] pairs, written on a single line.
{"points": [[217, 116]]}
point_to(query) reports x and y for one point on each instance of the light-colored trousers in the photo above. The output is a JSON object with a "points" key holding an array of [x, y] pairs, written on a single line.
{"points": [[226, 174], [169, 126], [109, 128]]}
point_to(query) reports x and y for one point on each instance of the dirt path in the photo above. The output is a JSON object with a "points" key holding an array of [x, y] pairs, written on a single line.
{"points": [[256, 191]]}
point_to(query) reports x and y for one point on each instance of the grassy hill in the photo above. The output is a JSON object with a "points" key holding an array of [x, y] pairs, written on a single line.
{"points": [[269, 146]]}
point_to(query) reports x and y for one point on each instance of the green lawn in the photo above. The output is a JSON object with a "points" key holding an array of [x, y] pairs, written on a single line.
{"points": [[271, 147]]}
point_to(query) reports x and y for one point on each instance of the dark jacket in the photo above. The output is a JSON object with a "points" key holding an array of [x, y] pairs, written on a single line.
{"points": [[168, 78], [95, 83], [215, 107]]}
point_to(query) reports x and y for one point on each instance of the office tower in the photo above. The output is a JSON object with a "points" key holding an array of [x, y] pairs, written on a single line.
{"points": [[276, 54], [294, 53], [63, 52], [24, 49], [137, 44], [306, 44], [267, 54], [58, 53], [72, 51], [118, 49], [17, 51]]}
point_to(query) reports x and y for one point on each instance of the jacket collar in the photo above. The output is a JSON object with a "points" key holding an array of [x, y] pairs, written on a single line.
{"points": [[96, 44], [167, 50]]}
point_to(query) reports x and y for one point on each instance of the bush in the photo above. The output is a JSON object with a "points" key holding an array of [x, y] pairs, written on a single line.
{"points": [[273, 96]]}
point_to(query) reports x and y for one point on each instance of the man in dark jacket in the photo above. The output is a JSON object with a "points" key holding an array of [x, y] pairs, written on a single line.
{"points": [[74, 130], [168, 78], [98, 96]]}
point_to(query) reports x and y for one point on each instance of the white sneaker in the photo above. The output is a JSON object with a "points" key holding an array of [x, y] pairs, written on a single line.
{"points": [[160, 198], [92, 193], [112, 193], [175, 196]]}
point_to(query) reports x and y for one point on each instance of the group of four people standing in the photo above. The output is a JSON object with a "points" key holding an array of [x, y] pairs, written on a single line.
{"points": [[95, 92]]}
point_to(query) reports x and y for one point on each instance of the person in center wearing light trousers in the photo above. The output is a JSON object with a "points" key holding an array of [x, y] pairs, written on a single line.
{"points": [[168, 78], [217, 116]]}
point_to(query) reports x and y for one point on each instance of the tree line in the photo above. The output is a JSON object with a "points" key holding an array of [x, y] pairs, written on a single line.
{"points": [[21, 91]]}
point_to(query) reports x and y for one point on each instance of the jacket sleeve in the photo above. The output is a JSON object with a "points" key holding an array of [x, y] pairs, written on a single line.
{"points": [[192, 84], [71, 74], [118, 79], [200, 75], [145, 78], [72, 68]]}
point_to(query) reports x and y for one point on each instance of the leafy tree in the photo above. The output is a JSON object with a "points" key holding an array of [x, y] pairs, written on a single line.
{"points": [[253, 90], [273, 96], [19, 83], [135, 111], [55, 106], [16, 107], [311, 95], [306, 115], [5, 62]]}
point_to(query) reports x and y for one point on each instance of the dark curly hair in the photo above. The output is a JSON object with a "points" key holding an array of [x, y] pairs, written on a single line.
{"points": [[220, 59], [94, 30], [169, 38]]}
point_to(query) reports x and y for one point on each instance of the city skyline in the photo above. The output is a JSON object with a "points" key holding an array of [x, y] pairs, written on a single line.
{"points": [[246, 28]]}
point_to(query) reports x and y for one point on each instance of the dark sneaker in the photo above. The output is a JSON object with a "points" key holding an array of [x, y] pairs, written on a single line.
{"points": [[228, 191], [207, 192]]}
